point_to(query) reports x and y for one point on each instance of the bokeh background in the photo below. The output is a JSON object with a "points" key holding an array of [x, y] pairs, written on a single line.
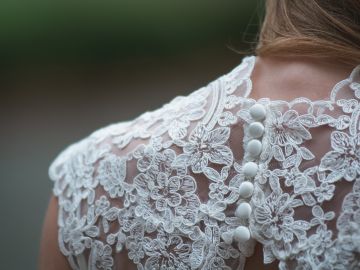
{"points": [[68, 68]]}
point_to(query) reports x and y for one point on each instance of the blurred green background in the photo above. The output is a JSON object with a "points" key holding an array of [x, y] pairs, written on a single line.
{"points": [[70, 67]]}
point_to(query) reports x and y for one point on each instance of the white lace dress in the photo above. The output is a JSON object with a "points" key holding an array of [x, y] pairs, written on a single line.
{"points": [[196, 183]]}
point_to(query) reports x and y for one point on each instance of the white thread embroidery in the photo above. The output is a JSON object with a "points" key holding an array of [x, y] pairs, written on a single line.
{"points": [[135, 185]]}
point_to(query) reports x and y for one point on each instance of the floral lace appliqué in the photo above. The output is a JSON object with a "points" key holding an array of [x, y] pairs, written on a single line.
{"points": [[187, 186]]}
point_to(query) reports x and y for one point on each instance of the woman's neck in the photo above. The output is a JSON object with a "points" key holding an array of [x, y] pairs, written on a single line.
{"points": [[290, 77]]}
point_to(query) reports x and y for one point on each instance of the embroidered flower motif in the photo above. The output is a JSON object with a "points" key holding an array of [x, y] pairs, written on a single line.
{"points": [[276, 220], [145, 155], [263, 174], [145, 181], [101, 256], [348, 225], [218, 190], [349, 250], [320, 241], [324, 192], [101, 205], [309, 260], [77, 234], [301, 182], [204, 146], [135, 250], [165, 191], [173, 196], [111, 175], [135, 242], [287, 129], [344, 159], [74, 169], [174, 252]]}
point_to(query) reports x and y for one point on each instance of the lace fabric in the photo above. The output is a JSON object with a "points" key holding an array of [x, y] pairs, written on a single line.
{"points": [[167, 188]]}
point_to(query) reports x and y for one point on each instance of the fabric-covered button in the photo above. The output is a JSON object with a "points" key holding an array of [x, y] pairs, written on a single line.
{"points": [[258, 112], [246, 189], [256, 129], [254, 147], [243, 210], [250, 169], [241, 234]]}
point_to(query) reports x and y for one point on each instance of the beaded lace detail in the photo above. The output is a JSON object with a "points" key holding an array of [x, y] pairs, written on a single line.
{"points": [[195, 183]]}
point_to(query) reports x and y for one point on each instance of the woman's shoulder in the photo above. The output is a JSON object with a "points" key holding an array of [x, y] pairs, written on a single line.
{"points": [[172, 120], [124, 168], [170, 181]]}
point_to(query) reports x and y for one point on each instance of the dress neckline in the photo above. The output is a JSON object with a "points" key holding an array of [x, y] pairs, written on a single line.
{"points": [[251, 59]]}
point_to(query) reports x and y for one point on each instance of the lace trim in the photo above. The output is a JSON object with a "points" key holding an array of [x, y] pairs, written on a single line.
{"points": [[135, 185]]}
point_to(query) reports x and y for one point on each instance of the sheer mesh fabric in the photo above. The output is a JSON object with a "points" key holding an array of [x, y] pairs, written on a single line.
{"points": [[160, 191]]}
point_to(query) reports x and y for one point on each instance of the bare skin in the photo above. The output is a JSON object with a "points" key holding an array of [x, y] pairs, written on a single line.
{"points": [[50, 256], [287, 78], [273, 77]]}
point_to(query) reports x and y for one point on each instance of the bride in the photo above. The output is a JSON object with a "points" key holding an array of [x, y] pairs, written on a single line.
{"points": [[258, 169]]}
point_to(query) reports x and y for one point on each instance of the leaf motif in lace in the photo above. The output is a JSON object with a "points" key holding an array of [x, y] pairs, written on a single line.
{"points": [[163, 188]]}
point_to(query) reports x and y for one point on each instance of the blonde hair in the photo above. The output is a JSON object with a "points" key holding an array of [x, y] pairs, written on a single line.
{"points": [[315, 28]]}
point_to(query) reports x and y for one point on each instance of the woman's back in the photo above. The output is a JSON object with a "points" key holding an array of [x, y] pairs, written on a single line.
{"points": [[259, 166], [265, 155]]}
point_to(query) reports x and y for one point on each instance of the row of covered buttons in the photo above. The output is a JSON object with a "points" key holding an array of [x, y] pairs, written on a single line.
{"points": [[250, 169]]}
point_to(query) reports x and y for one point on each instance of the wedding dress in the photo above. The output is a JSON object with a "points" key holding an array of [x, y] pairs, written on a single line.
{"points": [[196, 183]]}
